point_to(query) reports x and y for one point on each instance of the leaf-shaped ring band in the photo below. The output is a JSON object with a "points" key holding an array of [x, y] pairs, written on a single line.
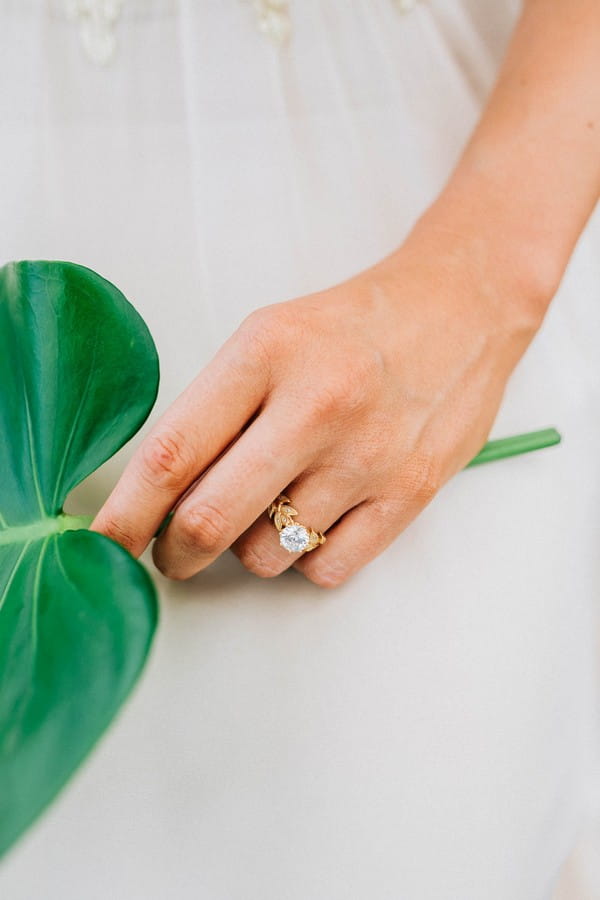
{"points": [[294, 537]]}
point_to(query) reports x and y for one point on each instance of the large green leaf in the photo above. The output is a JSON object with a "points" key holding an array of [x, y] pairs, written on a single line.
{"points": [[78, 376]]}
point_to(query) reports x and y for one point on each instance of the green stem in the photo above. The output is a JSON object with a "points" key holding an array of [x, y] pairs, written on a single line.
{"points": [[513, 446], [42, 528]]}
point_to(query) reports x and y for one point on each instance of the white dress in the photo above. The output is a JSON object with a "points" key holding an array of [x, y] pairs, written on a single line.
{"points": [[428, 730]]}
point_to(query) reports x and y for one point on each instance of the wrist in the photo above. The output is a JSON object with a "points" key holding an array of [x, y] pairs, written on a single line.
{"points": [[506, 250]]}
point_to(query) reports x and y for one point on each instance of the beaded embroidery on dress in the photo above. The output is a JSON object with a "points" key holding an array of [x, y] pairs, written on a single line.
{"points": [[98, 21]]}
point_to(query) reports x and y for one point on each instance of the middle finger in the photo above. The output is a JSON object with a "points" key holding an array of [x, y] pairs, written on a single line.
{"points": [[321, 497]]}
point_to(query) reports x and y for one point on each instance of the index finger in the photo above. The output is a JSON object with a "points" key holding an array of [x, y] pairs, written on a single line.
{"points": [[185, 441]]}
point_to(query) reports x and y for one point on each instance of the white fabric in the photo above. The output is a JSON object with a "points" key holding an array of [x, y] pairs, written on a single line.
{"points": [[428, 730]]}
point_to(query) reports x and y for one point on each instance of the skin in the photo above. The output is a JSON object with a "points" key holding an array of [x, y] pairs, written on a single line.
{"points": [[404, 365]]}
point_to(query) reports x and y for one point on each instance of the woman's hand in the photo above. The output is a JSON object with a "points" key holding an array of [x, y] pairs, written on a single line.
{"points": [[358, 402], [361, 401]]}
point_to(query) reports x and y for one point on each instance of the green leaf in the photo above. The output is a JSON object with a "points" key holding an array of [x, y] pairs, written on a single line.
{"points": [[78, 376]]}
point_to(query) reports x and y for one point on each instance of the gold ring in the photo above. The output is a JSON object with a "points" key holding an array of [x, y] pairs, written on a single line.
{"points": [[294, 537]]}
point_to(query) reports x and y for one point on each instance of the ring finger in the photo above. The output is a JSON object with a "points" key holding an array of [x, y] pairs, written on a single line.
{"points": [[318, 502]]}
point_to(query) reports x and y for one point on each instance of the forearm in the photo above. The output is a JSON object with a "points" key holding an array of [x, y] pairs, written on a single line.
{"points": [[530, 175]]}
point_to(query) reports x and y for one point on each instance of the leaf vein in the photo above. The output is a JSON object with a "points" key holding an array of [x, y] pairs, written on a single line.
{"points": [[35, 600], [76, 418], [13, 574], [32, 458]]}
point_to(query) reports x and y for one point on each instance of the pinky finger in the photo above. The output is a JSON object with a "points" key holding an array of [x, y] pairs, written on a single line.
{"points": [[360, 535]]}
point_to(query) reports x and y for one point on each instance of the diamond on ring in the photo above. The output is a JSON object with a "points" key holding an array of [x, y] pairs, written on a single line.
{"points": [[294, 538]]}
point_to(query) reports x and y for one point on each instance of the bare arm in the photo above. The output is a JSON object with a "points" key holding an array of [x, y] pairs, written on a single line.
{"points": [[530, 175]]}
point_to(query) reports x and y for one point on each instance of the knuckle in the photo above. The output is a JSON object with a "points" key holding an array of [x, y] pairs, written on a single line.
{"points": [[259, 320], [268, 326], [422, 477], [325, 402], [276, 320], [339, 397], [204, 528], [121, 532], [369, 453], [259, 334], [381, 509], [166, 460], [261, 562], [369, 369]]}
